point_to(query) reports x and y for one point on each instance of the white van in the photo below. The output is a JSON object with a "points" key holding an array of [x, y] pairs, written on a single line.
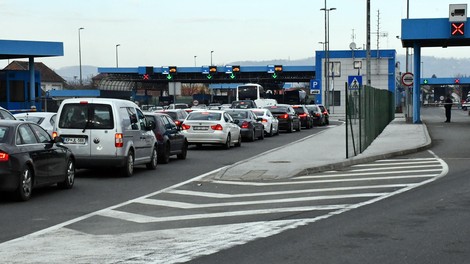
{"points": [[106, 133]]}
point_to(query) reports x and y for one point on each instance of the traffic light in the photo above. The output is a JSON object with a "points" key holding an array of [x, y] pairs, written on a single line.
{"points": [[235, 71], [457, 81], [278, 68], [148, 73], [457, 29], [172, 69], [425, 81], [212, 69]]}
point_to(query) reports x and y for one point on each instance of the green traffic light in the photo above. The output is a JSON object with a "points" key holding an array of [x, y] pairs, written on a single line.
{"points": [[425, 81], [209, 76], [169, 77], [232, 76], [274, 76]]}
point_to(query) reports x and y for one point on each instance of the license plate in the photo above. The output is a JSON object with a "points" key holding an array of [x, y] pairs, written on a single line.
{"points": [[200, 128], [69, 140]]}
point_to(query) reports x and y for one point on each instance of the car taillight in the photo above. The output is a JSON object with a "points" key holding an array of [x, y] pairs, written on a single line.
{"points": [[245, 124], [217, 127], [303, 115], [118, 140], [177, 123], [284, 116], [54, 134], [265, 121], [159, 136], [4, 156], [317, 114], [185, 127]]}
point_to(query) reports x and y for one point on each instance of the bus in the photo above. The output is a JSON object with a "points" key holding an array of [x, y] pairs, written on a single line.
{"points": [[255, 92]]}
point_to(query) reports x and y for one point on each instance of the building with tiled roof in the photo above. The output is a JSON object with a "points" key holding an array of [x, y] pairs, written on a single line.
{"points": [[50, 80]]}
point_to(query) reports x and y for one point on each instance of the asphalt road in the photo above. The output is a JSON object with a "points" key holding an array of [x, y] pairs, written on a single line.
{"points": [[95, 190], [428, 224]]}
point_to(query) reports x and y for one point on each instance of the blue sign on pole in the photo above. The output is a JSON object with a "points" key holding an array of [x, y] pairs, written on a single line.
{"points": [[354, 82], [315, 86]]}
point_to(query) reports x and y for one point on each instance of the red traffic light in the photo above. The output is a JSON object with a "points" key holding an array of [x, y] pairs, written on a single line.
{"points": [[457, 81]]}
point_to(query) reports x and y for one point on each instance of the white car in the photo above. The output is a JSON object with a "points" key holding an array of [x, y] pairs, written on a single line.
{"points": [[270, 122], [211, 127], [45, 119]]}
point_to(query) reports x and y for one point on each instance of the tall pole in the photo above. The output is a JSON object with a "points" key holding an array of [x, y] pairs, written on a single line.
{"points": [[117, 57], [368, 72], [80, 55], [195, 60], [327, 55], [211, 56]]}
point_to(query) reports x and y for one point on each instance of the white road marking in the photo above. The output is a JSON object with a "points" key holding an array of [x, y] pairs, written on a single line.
{"points": [[183, 205], [431, 161], [138, 218], [257, 194], [395, 168]]}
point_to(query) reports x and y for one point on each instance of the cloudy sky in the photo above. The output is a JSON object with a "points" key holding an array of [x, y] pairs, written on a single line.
{"points": [[172, 32]]}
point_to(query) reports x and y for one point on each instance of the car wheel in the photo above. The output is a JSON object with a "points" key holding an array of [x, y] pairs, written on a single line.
{"points": [[227, 142], [69, 176], [291, 127], [129, 167], [184, 151], [26, 184], [261, 136], [165, 158], [239, 142], [152, 165], [270, 133]]}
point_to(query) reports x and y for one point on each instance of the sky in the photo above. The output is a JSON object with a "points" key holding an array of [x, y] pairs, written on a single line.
{"points": [[172, 32]]}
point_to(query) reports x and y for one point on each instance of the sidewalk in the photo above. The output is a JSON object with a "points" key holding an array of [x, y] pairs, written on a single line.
{"points": [[327, 151]]}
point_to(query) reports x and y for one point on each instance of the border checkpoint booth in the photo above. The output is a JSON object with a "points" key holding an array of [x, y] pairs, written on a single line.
{"points": [[21, 89]]}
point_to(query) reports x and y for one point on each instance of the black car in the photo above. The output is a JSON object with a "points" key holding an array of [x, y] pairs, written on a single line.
{"points": [[250, 125], [317, 115], [169, 137], [178, 115], [30, 158], [306, 118], [288, 119], [326, 114]]}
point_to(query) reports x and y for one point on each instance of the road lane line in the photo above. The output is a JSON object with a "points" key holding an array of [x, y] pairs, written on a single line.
{"points": [[396, 163], [182, 205], [364, 173], [257, 194], [395, 168], [143, 219], [323, 181]]}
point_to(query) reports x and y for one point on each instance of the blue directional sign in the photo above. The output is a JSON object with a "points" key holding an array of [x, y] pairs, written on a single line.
{"points": [[354, 82], [270, 68], [165, 70], [315, 86], [205, 69]]}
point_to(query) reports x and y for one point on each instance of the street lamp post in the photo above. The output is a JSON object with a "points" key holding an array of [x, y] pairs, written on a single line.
{"points": [[80, 55], [195, 60], [211, 56], [327, 48], [117, 57]]}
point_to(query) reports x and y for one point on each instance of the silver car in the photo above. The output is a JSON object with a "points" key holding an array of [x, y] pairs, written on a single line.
{"points": [[45, 119], [211, 127]]}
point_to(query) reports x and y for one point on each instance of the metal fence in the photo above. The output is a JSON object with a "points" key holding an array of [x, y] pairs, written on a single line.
{"points": [[368, 112]]}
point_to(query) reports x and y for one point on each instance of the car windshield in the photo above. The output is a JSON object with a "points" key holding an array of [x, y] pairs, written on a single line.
{"points": [[204, 116], [299, 110], [34, 119], [238, 114], [259, 113], [3, 134]]}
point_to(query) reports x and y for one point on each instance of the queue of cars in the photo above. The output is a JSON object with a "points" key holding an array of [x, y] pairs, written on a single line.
{"points": [[38, 149]]}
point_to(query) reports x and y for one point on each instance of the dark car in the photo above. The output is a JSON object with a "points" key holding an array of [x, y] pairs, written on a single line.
{"points": [[325, 113], [250, 125], [288, 119], [178, 115], [306, 118], [317, 115], [244, 104], [30, 158], [169, 137]]}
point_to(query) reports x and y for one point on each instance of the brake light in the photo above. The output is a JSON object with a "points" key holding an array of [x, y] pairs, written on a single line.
{"points": [[265, 121], [118, 140], [303, 115], [284, 116], [317, 114], [245, 124], [177, 123], [83, 102], [54, 134], [185, 127], [217, 127], [4, 156]]}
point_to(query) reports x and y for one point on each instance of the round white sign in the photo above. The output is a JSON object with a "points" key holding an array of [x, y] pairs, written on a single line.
{"points": [[407, 79]]}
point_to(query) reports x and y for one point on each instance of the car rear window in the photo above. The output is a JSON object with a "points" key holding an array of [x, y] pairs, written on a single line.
{"points": [[238, 114], [3, 134], [278, 109], [173, 115], [299, 110], [204, 116], [258, 113], [89, 116]]}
